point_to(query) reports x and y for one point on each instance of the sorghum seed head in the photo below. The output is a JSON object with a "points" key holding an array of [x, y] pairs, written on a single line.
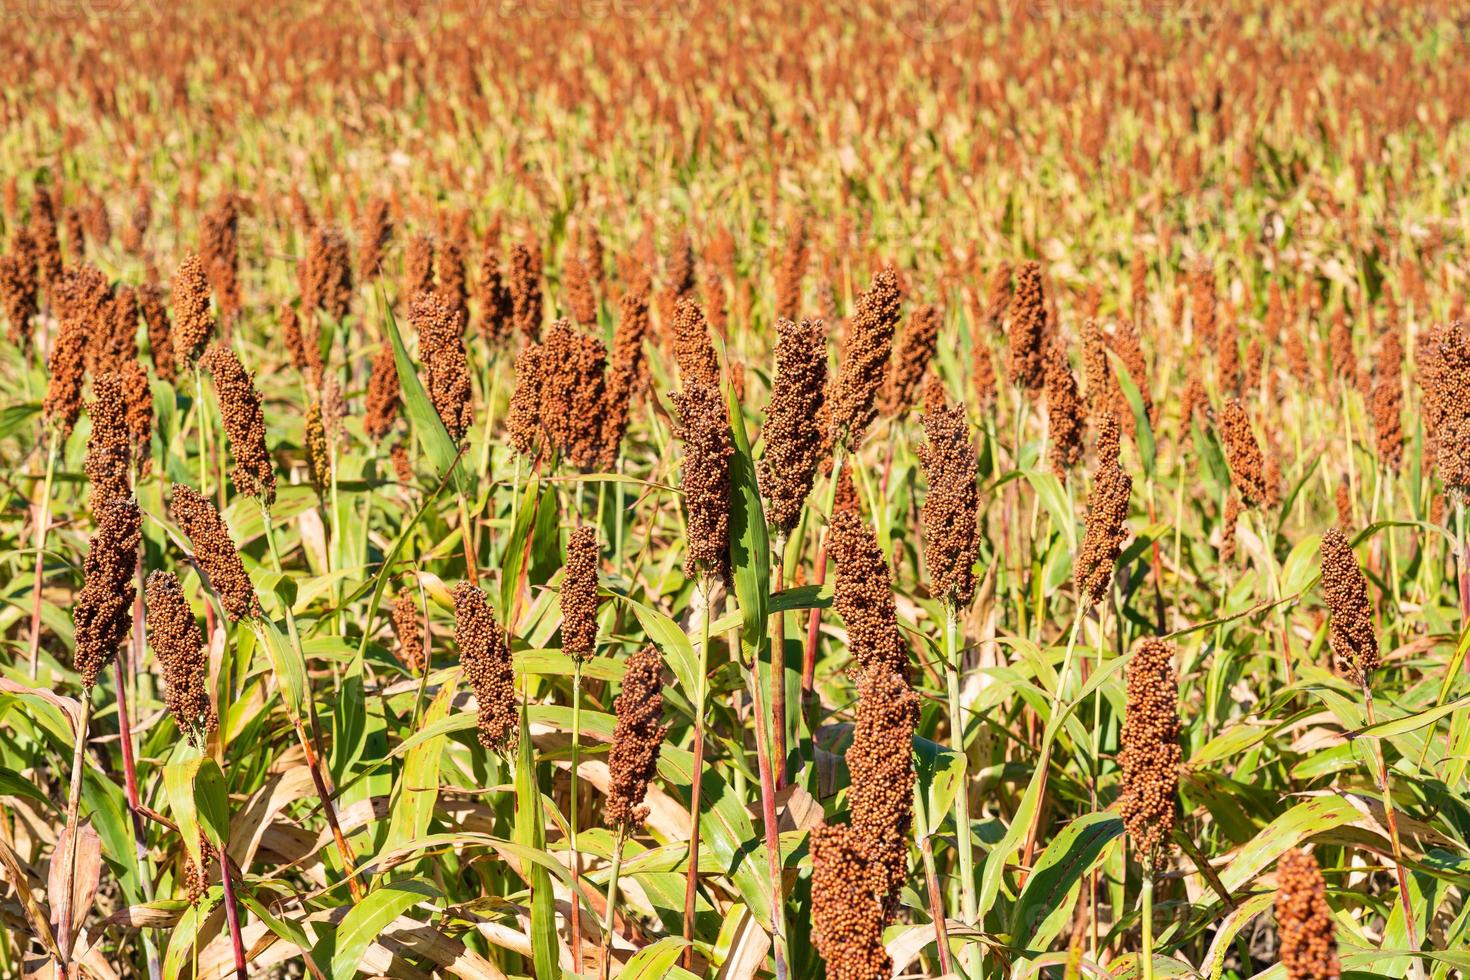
{"points": [[950, 509], [215, 552], [103, 611], [794, 440], [484, 655], [1066, 418], [626, 375], [328, 272], [704, 428], [1304, 919], [178, 646], [1107, 517], [406, 627], [579, 594], [864, 362], [637, 738], [67, 367], [193, 321], [382, 394], [863, 595], [1028, 329], [374, 233], [523, 421], [1243, 454], [110, 447], [244, 423], [911, 360], [525, 290], [881, 763], [442, 352], [693, 350], [847, 916], [1353, 639], [1150, 754], [160, 331]]}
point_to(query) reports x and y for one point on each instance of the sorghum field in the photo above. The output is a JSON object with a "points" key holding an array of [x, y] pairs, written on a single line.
{"points": [[555, 488]]}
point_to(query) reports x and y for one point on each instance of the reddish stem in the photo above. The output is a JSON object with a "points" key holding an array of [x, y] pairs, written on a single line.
{"points": [[936, 906], [809, 655], [232, 915]]}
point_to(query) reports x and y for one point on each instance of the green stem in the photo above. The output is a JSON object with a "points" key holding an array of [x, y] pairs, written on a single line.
{"points": [[1146, 954], [691, 884], [612, 898], [1044, 763], [576, 922], [968, 905]]}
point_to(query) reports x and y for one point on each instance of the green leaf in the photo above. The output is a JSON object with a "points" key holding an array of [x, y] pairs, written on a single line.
{"points": [[1044, 906], [212, 803], [1314, 816], [365, 921], [517, 548], [655, 961], [1054, 498], [666, 634], [417, 788], [1410, 722], [178, 786], [286, 662], [530, 832], [940, 773], [1143, 431], [443, 453], [750, 546]]}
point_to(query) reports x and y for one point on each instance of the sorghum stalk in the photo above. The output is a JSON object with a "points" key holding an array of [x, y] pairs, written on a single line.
{"points": [[706, 588], [612, 899], [43, 523], [65, 912], [313, 758], [765, 765], [968, 904]]}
